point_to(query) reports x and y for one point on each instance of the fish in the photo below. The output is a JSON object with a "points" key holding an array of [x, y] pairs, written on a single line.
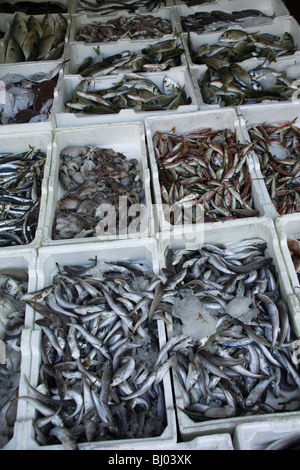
{"points": [[108, 389], [133, 91], [111, 6], [134, 27], [95, 178], [224, 386], [36, 40], [198, 168]]}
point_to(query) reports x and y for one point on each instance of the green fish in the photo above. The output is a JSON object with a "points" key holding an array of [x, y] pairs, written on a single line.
{"points": [[234, 35], [241, 75], [60, 29], [19, 29], [34, 24], [13, 52], [31, 45]]}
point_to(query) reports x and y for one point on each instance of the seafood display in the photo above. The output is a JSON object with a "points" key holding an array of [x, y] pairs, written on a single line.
{"points": [[21, 178], [28, 99], [233, 85], [13, 285], [204, 21], [156, 57], [277, 148], [228, 303], [207, 167], [133, 91], [294, 248], [107, 7], [92, 177], [236, 45], [101, 368], [33, 8], [32, 40], [131, 27]]}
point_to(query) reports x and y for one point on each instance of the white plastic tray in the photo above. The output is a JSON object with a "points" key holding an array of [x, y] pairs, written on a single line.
{"points": [[77, 52], [277, 27], [80, 20], [23, 259], [20, 142], [126, 138], [268, 7], [26, 70], [269, 113], [9, 19], [68, 84], [289, 226], [258, 435], [230, 233], [145, 250], [216, 119]]}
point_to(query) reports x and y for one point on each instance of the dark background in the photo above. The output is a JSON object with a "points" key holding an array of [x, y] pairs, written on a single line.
{"points": [[294, 8]]}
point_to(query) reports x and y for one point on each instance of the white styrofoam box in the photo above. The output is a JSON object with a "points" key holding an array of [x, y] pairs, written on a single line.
{"points": [[68, 85], [126, 138], [268, 113], [9, 20], [258, 435], [277, 27], [80, 20], [24, 259], [77, 52], [69, 4], [141, 250], [27, 70], [232, 233], [216, 119], [271, 8], [19, 142], [289, 65], [289, 226]]}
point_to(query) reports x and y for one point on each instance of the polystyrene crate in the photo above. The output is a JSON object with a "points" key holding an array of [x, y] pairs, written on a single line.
{"points": [[27, 70], [268, 113], [231, 233], [69, 4], [277, 27], [77, 52], [68, 85], [9, 20], [19, 142], [216, 119], [141, 250], [126, 138], [80, 20], [271, 8], [24, 259], [258, 435], [289, 226]]}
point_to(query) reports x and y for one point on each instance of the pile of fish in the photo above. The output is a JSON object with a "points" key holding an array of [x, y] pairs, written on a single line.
{"points": [[294, 248], [206, 167], [233, 85], [33, 8], [131, 27], [92, 177], [20, 195], [236, 45], [156, 57], [101, 368], [28, 99], [133, 91], [13, 285], [240, 362], [277, 147], [204, 21], [107, 7], [33, 40]]}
